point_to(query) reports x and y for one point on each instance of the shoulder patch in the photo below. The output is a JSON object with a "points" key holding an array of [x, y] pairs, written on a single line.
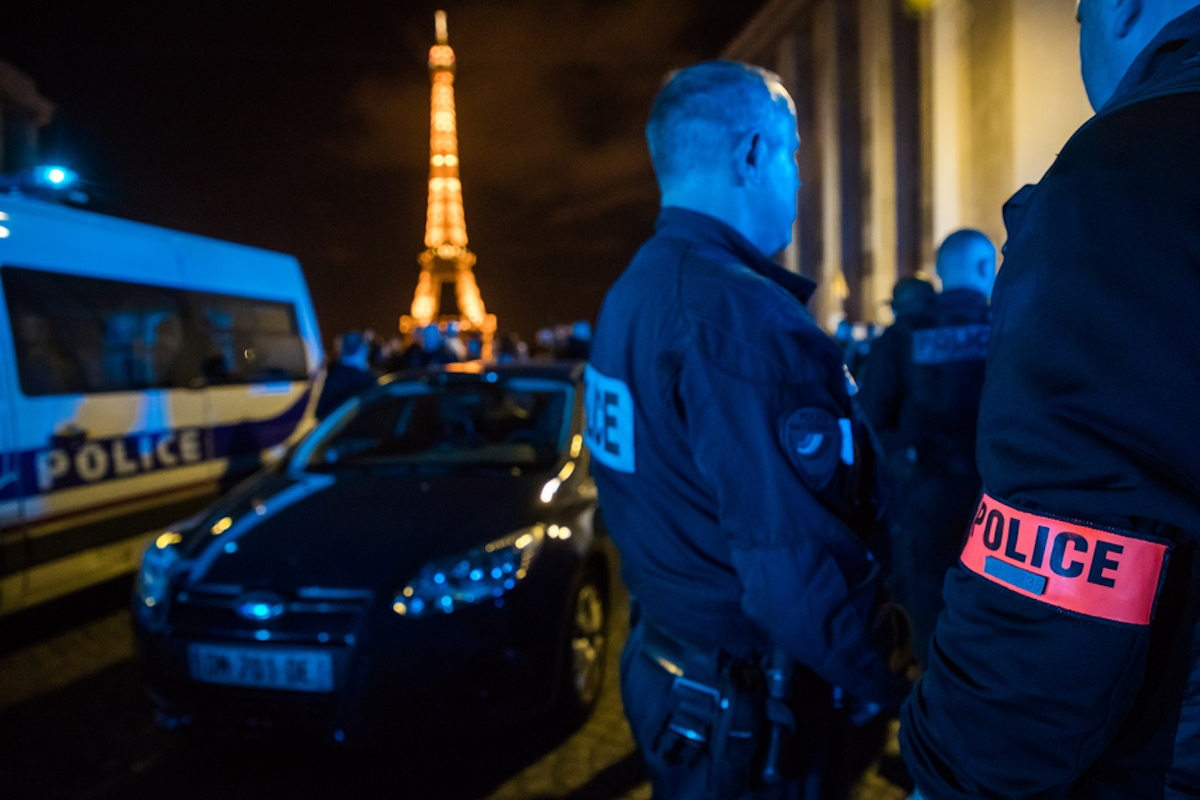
{"points": [[811, 437], [609, 433], [1098, 572]]}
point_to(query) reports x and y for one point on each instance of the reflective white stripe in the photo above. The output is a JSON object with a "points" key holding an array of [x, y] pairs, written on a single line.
{"points": [[847, 441], [610, 421]]}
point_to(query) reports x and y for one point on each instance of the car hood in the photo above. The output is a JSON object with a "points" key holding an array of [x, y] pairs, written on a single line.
{"points": [[354, 529]]}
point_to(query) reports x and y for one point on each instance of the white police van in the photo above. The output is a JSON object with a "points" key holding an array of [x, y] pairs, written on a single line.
{"points": [[141, 370]]}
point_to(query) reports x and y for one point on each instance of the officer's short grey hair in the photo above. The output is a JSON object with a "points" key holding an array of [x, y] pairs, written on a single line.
{"points": [[701, 110]]}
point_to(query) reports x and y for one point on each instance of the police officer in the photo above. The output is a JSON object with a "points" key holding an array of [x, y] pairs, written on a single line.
{"points": [[346, 377], [729, 464], [912, 294], [920, 391], [1066, 664]]}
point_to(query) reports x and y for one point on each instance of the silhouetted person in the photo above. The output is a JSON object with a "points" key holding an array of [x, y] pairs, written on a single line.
{"points": [[349, 375], [579, 342], [911, 295], [428, 349], [920, 389], [509, 348]]}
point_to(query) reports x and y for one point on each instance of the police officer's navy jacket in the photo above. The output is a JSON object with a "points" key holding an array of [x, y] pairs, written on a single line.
{"points": [[1067, 662], [721, 428], [920, 391], [922, 382]]}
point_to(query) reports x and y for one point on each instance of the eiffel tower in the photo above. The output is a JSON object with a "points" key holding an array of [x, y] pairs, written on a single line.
{"points": [[446, 288]]}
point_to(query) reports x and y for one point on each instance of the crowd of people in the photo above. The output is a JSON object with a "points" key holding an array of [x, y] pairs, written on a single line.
{"points": [[359, 357]]}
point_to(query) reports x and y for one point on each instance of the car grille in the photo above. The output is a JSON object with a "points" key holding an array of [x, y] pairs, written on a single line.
{"points": [[317, 615]]}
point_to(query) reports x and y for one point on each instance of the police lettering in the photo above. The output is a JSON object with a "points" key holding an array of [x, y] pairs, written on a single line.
{"points": [[610, 428], [1066, 563], [101, 460], [951, 344], [610, 423], [601, 420], [1070, 553]]}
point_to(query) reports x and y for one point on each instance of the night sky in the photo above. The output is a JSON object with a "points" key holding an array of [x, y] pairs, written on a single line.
{"points": [[303, 128]]}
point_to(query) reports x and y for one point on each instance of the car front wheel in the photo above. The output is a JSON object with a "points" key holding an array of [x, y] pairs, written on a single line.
{"points": [[587, 646]]}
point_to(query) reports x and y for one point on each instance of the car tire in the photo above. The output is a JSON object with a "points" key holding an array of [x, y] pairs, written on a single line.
{"points": [[585, 646]]}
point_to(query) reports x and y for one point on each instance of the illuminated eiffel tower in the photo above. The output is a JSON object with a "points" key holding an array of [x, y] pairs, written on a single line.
{"points": [[446, 263]]}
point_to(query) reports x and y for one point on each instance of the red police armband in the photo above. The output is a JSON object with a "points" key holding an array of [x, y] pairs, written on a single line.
{"points": [[1099, 572]]}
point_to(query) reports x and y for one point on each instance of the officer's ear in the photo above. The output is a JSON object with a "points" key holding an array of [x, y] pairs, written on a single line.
{"points": [[749, 156]]}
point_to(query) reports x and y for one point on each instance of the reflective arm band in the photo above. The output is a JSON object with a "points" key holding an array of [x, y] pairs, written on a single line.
{"points": [[1098, 572]]}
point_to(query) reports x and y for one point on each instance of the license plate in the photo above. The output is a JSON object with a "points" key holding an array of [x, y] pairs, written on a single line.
{"points": [[262, 668]]}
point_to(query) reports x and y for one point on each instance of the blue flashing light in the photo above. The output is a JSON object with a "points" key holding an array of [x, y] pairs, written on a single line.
{"points": [[417, 605], [510, 583], [447, 603], [497, 573], [54, 176], [231, 547], [262, 636], [476, 574], [339, 735], [439, 578]]}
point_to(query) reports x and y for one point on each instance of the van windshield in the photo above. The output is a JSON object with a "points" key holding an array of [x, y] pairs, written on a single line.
{"points": [[506, 423]]}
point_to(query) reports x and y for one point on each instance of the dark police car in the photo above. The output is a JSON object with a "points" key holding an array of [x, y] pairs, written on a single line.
{"points": [[427, 559]]}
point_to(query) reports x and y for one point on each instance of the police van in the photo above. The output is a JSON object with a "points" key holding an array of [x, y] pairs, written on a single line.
{"points": [[141, 371]]}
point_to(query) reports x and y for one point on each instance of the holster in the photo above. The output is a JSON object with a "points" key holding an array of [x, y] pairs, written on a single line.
{"points": [[715, 716]]}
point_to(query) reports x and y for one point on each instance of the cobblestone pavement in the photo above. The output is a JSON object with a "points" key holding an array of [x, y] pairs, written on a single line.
{"points": [[81, 680], [599, 760]]}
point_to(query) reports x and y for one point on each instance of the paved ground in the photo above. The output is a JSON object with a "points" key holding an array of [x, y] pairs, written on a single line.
{"points": [[73, 725], [598, 760]]}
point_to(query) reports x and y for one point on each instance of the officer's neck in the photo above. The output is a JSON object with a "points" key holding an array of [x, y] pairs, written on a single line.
{"points": [[727, 206]]}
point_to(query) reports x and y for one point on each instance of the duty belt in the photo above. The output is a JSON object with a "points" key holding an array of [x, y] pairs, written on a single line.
{"points": [[721, 704], [680, 658], [697, 685]]}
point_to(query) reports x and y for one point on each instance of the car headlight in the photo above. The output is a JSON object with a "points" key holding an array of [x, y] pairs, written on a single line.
{"points": [[485, 573], [154, 575]]}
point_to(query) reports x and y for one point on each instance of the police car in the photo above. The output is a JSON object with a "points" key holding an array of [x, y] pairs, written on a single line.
{"points": [[429, 556], [142, 370]]}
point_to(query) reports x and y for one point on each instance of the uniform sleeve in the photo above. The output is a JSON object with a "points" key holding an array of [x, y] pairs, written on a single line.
{"points": [[1022, 695], [1018, 699], [809, 581]]}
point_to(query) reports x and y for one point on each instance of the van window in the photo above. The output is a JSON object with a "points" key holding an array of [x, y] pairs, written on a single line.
{"points": [[252, 340], [77, 335]]}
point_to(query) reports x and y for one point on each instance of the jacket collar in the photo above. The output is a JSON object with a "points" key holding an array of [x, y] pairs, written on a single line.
{"points": [[675, 222], [962, 296], [1169, 64]]}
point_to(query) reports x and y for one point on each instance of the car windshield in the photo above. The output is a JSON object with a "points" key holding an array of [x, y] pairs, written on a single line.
{"points": [[515, 422]]}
